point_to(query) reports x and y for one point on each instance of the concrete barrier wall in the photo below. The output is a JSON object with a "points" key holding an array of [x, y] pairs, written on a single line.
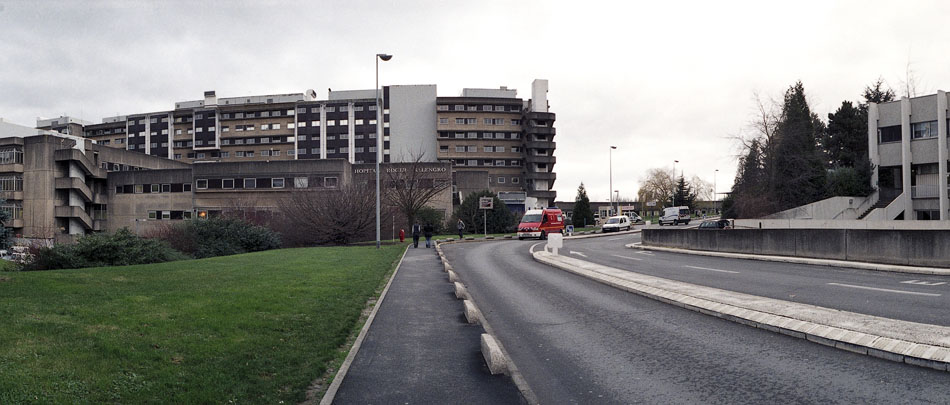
{"points": [[930, 248]]}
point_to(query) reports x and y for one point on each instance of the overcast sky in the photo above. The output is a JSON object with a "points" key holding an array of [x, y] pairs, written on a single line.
{"points": [[663, 82]]}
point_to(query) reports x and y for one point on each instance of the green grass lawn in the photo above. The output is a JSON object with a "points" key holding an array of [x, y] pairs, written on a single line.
{"points": [[256, 327]]}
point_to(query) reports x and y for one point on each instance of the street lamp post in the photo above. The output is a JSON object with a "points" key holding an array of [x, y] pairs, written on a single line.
{"points": [[610, 160], [379, 136], [673, 202], [617, 200], [715, 195]]}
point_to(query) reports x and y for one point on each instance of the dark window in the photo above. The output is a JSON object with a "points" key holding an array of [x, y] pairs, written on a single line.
{"points": [[176, 187], [127, 189], [889, 134]]}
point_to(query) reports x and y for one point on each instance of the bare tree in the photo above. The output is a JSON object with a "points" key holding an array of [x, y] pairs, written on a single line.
{"points": [[334, 216], [411, 186], [703, 189], [658, 185]]}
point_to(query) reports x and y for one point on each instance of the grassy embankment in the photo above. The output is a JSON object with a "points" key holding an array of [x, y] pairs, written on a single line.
{"points": [[256, 327]]}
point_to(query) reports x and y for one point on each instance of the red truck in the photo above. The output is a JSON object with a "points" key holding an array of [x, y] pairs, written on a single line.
{"points": [[541, 223]]}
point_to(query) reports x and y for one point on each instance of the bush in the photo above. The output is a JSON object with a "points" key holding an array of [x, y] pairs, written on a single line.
{"points": [[102, 249], [218, 237], [429, 215]]}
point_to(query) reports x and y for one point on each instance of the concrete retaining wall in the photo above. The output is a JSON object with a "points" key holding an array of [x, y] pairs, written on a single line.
{"points": [[930, 248]]}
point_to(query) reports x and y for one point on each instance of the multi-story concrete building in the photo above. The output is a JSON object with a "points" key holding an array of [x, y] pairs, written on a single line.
{"points": [[494, 140], [499, 142], [59, 187], [907, 143]]}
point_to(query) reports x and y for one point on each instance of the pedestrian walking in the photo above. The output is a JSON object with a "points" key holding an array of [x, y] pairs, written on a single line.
{"points": [[427, 230], [416, 230], [461, 227]]}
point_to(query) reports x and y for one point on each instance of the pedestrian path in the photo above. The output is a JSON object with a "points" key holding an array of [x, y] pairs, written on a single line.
{"points": [[420, 349]]}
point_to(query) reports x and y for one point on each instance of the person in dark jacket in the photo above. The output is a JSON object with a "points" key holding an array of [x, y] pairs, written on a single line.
{"points": [[461, 227], [416, 230], [427, 230]]}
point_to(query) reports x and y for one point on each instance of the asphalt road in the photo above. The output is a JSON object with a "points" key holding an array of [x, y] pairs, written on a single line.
{"points": [[909, 297], [579, 341]]}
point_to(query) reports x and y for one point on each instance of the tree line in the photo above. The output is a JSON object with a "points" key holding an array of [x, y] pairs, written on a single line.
{"points": [[793, 158]]}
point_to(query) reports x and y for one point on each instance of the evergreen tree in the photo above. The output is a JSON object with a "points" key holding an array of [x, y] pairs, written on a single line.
{"points": [[877, 94], [846, 140], [583, 215], [799, 173], [684, 194], [500, 218]]}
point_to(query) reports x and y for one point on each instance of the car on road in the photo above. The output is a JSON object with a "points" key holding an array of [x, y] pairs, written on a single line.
{"points": [[674, 216], [541, 223], [617, 224], [720, 224]]}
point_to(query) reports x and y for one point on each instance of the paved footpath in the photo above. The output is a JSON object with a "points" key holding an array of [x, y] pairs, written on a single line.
{"points": [[420, 349]]}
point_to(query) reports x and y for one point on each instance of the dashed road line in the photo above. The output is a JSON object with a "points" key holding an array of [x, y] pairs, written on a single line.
{"points": [[717, 270], [627, 257], [617, 238], [885, 289], [918, 282]]}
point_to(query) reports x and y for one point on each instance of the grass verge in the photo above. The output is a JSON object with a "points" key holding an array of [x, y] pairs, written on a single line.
{"points": [[257, 327]]}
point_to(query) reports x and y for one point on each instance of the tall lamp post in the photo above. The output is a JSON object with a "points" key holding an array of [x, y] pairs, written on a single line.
{"points": [[673, 202], [715, 195], [610, 160], [379, 135], [617, 200]]}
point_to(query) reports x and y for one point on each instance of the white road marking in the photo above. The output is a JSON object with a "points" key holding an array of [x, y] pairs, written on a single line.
{"points": [[707, 268], [918, 282], [885, 290], [627, 257], [578, 253], [531, 250], [645, 253], [616, 238]]}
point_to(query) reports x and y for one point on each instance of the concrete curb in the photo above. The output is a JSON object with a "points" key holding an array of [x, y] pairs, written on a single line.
{"points": [[472, 314], [497, 361], [496, 357], [901, 341], [602, 234], [894, 268], [345, 367]]}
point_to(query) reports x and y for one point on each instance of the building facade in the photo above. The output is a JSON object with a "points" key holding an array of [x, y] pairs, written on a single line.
{"points": [[59, 187], [493, 139], [907, 144]]}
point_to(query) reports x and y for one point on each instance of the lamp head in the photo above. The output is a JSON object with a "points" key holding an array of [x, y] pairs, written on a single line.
{"points": [[613, 147], [384, 56]]}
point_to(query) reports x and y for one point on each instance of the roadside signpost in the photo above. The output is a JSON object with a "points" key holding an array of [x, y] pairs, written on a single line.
{"points": [[555, 242], [570, 230], [485, 204]]}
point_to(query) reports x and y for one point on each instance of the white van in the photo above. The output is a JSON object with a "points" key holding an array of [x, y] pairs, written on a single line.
{"points": [[617, 224], [674, 215]]}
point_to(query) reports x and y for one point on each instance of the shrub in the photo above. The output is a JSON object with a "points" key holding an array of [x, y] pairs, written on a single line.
{"points": [[429, 215], [218, 237], [102, 249]]}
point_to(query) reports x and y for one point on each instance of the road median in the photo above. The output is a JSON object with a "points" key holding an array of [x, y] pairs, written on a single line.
{"points": [[901, 341]]}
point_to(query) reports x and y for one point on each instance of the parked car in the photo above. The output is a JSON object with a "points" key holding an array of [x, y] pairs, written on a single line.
{"points": [[720, 224], [674, 216], [540, 223], [617, 224]]}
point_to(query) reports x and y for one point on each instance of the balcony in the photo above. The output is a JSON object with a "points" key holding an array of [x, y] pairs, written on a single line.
{"points": [[550, 194], [70, 211], [61, 155], [541, 175], [11, 168], [541, 130], [73, 183], [11, 195], [540, 145], [540, 116], [925, 191], [540, 159]]}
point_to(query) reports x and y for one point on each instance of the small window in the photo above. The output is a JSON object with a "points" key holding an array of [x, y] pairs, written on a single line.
{"points": [[186, 187], [139, 189], [277, 182], [166, 215], [153, 215], [166, 188], [250, 183], [201, 184], [227, 183], [501, 180], [330, 182], [300, 182]]}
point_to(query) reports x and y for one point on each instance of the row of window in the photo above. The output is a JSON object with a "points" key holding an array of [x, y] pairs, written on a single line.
{"points": [[474, 148], [918, 130], [484, 135], [254, 114], [262, 183], [105, 131], [487, 162], [11, 183], [342, 108], [485, 107], [10, 155], [503, 180], [473, 121], [153, 188], [169, 215]]}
